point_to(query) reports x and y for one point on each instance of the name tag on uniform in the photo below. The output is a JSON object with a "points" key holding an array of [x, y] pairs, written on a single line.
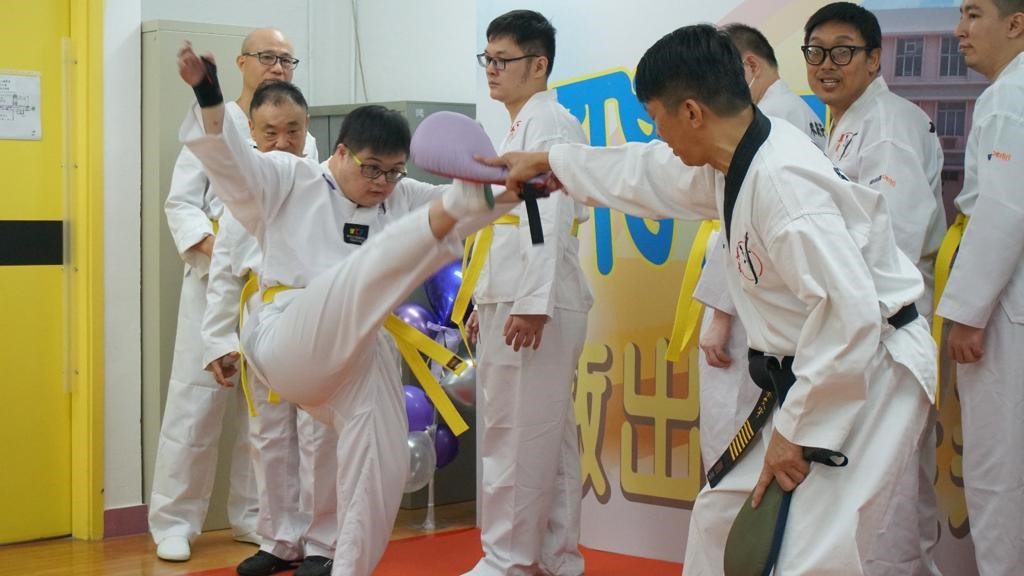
{"points": [[356, 233]]}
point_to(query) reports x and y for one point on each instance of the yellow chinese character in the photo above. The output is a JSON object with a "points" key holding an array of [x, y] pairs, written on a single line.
{"points": [[592, 391]]}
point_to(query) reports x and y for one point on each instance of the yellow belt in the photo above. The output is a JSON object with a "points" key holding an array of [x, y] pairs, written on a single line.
{"points": [[252, 285], [216, 225], [943, 266], [475, 254], [411, 344], [689, 310]]}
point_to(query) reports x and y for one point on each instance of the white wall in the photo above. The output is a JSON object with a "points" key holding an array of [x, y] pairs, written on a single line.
{"points": [[410, 51], [121, 254]]}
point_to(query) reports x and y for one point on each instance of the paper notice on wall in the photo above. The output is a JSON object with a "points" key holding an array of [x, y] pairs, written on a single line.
{"points": [[19, 106]]}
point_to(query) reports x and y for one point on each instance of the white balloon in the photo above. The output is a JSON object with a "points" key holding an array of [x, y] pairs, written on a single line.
{"points": [[461, 388], [422, 460]]}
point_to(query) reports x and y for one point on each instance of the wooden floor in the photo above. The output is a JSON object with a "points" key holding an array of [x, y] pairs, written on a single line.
{"points": [[136, 555]]}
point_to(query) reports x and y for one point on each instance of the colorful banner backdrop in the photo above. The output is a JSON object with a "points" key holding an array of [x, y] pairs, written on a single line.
{"points": [[638, 414]]}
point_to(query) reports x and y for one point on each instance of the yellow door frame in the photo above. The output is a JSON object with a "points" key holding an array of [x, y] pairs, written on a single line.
{"points": [[85, 215]]}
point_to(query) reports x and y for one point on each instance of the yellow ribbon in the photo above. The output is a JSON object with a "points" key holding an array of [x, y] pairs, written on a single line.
{"points": [[411, 343], [689, 310], [943, 266]]}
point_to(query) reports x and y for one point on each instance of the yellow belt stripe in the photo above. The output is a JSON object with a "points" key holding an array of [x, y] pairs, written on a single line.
{"points": [[943, 266], [688, 310], [477, 247], [250, 288], [411, 343]]}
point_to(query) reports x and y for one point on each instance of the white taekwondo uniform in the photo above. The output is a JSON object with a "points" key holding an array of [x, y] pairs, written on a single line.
{"points": [[294, 456], [888, 143], [186, 457], [322, 346], [727, 395], [530, 484], [816, 274], [986, 290]]}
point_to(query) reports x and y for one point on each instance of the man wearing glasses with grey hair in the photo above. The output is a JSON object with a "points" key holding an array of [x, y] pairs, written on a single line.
{"points": [[194, 413]]}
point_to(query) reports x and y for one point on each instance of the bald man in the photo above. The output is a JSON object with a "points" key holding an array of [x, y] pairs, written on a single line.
{"points": [[186, 458]]}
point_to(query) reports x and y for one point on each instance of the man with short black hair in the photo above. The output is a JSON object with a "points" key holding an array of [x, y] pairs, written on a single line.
{"points": [[726, 392], [984, 299], [817, 280], [886, 142], [530, 480]]}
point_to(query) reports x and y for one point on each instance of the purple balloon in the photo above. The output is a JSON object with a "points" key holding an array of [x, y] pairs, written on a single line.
{"points": [[418, 317], [418, 408], [441, 289], [446, 445]]}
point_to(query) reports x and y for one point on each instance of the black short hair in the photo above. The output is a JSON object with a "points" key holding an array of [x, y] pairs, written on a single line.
{"points": [[750, 39], [277, 92], [375, 128], [1007, 7], [530, 30], [846, 12], [698, 62]]}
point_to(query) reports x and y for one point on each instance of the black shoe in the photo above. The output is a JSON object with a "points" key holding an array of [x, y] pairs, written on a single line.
{"points": [[263, 564], [315, 566]]}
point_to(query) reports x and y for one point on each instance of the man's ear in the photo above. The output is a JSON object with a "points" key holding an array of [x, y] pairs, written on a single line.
{"points": [[694, 113], [753, 63], [540, 66], [1016, 25], [240, 61]]}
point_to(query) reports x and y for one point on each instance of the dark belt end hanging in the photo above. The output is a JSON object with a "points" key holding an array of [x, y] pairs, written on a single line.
{"points": [[531, 192]]}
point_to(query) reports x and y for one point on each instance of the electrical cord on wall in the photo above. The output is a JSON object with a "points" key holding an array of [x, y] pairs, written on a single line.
{"points": [[359, 49]]}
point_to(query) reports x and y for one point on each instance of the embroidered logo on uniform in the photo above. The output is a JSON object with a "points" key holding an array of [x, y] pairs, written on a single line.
{"points": [[843, 143], [748, 263], [515, 126], [356, 233], [1004, 156], [884, 177]]}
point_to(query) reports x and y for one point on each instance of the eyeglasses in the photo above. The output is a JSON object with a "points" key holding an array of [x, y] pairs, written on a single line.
{"points": [[486, 60], [269, 59], [840, 55], [371, 172]]}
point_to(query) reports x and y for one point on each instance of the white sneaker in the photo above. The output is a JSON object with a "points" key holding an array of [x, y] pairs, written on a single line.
{"points": [[174, 549], [250, 537]]}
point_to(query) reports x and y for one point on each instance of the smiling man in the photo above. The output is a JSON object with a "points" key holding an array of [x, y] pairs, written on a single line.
{"points": [[888, 143], [818, 281], [984, 298]]}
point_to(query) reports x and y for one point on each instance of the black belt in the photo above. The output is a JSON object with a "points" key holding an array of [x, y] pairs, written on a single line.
{"points": [[775, 377]]}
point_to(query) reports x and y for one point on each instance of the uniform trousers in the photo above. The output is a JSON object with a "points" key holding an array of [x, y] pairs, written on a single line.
{"points": [[991, 408], [531, 479], [323, 347], [840, 519], [186, 457]]}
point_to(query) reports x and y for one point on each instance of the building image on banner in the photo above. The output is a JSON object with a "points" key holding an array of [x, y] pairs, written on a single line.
{"points": [[638, 414]]}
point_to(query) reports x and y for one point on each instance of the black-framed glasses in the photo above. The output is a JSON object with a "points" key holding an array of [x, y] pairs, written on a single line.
{"points": [[840, 55], [371, 172], [269, 59], [485, 60]]}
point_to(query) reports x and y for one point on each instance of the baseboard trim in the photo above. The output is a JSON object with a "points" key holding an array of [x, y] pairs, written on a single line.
{"points": [[127, 521]]}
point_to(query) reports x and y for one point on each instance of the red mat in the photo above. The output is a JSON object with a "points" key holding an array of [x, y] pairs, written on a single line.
{"points": [[452, 553]]}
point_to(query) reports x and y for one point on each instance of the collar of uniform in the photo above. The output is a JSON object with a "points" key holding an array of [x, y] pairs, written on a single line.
{"points": [[1011, 68], [538, 99], [777, 87], [876, 88], [748, 146]]}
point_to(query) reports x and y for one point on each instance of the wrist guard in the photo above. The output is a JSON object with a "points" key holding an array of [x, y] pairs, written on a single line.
{"points": [[208, 92]]}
